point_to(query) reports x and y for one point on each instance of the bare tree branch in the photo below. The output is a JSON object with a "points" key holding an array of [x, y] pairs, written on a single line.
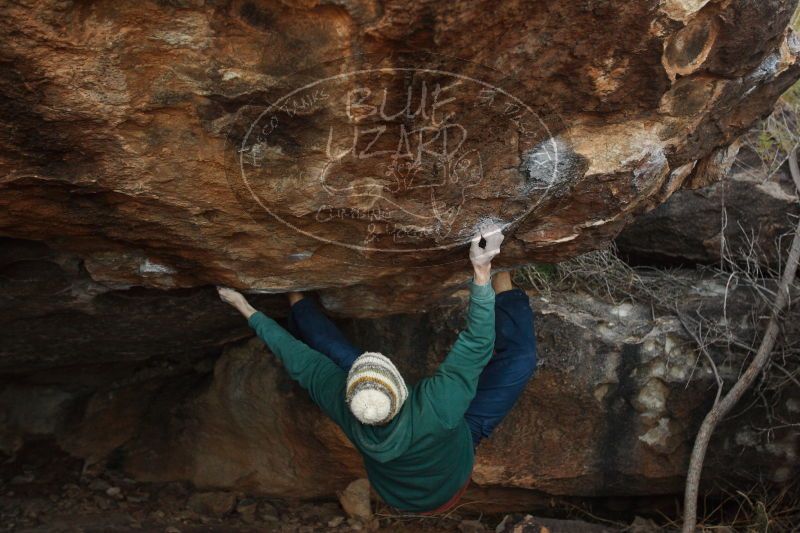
{"points": [[794, 169], [762, 357]]}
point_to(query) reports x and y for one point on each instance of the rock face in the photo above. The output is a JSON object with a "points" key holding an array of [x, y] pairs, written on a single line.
{"points": [[340, 146], [52, 314], [760, 214]]}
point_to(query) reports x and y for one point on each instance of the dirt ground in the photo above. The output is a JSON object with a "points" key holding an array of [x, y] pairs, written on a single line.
{"points": [[45, 490]]}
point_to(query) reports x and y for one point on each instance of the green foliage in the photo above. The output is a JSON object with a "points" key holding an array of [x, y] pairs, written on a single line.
{"points": [[544, 270], [765, 142], [792, 96], [776, 136]]}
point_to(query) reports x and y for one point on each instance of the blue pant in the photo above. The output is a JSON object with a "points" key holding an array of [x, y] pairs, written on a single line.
{"points": [[502, 381]]}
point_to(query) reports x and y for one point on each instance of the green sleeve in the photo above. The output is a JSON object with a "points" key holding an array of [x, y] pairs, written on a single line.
{"points": [[324, 381], [451, 389]]}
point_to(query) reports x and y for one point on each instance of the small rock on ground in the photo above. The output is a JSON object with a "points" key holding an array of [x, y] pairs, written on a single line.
{"points": [[213, 504], [471, 526], [355, 500]]}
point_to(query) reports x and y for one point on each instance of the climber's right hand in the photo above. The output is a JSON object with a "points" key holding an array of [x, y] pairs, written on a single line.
{"points": [[485, 246]]}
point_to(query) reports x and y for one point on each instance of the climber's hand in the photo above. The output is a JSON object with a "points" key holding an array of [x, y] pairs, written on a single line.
{"points": [[485, 246], [231, 296], [236, 299]]}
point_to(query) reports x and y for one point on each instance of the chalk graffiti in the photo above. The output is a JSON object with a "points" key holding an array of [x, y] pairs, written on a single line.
{"points": [[400, 156]]}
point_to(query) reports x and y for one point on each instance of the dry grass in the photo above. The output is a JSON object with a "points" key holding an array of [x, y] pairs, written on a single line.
{"points": [[605, 276], [776, 136], [763, 508]]}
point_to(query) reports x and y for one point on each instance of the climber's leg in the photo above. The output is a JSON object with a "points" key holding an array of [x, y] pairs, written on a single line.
{"points": [[308, 323], [512, 364]]}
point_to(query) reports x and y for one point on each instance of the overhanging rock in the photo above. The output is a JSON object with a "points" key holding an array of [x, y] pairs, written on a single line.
{"points": [[267, 147]]}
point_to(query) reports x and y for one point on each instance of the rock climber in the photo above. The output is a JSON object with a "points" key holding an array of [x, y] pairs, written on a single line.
{"points": [[418, 443]]}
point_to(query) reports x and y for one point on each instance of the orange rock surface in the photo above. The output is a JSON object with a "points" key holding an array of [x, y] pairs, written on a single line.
{"points": [[343, 146]]}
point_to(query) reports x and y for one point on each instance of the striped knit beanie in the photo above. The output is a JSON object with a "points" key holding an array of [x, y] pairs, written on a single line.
{"points": [[375, 389]]}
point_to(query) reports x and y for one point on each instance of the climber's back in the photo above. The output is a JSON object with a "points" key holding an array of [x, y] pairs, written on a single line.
{"points": [[424, 454]]}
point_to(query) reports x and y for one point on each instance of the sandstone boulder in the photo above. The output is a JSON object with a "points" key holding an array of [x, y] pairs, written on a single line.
{"points": [[152, 150], [341, 146], [750, 214]]}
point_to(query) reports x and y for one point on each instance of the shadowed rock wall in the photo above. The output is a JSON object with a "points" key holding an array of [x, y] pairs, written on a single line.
{"points": [[612, 411]]}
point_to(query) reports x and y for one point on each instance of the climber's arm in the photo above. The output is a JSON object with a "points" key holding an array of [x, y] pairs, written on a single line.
{"points": [[451, 389], [324, 381]]}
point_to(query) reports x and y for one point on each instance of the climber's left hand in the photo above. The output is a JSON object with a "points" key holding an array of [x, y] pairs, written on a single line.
{"points": [[231, 296], [237, 300]]}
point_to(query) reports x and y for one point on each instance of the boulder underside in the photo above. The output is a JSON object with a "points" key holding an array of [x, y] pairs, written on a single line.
{"points": [[343, 147]]}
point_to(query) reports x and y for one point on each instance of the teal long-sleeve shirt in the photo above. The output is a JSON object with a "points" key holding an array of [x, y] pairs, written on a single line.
{"points": [[420, 458]]}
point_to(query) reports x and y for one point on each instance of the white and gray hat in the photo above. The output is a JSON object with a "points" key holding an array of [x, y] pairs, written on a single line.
{"points": [[375, 389]]}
